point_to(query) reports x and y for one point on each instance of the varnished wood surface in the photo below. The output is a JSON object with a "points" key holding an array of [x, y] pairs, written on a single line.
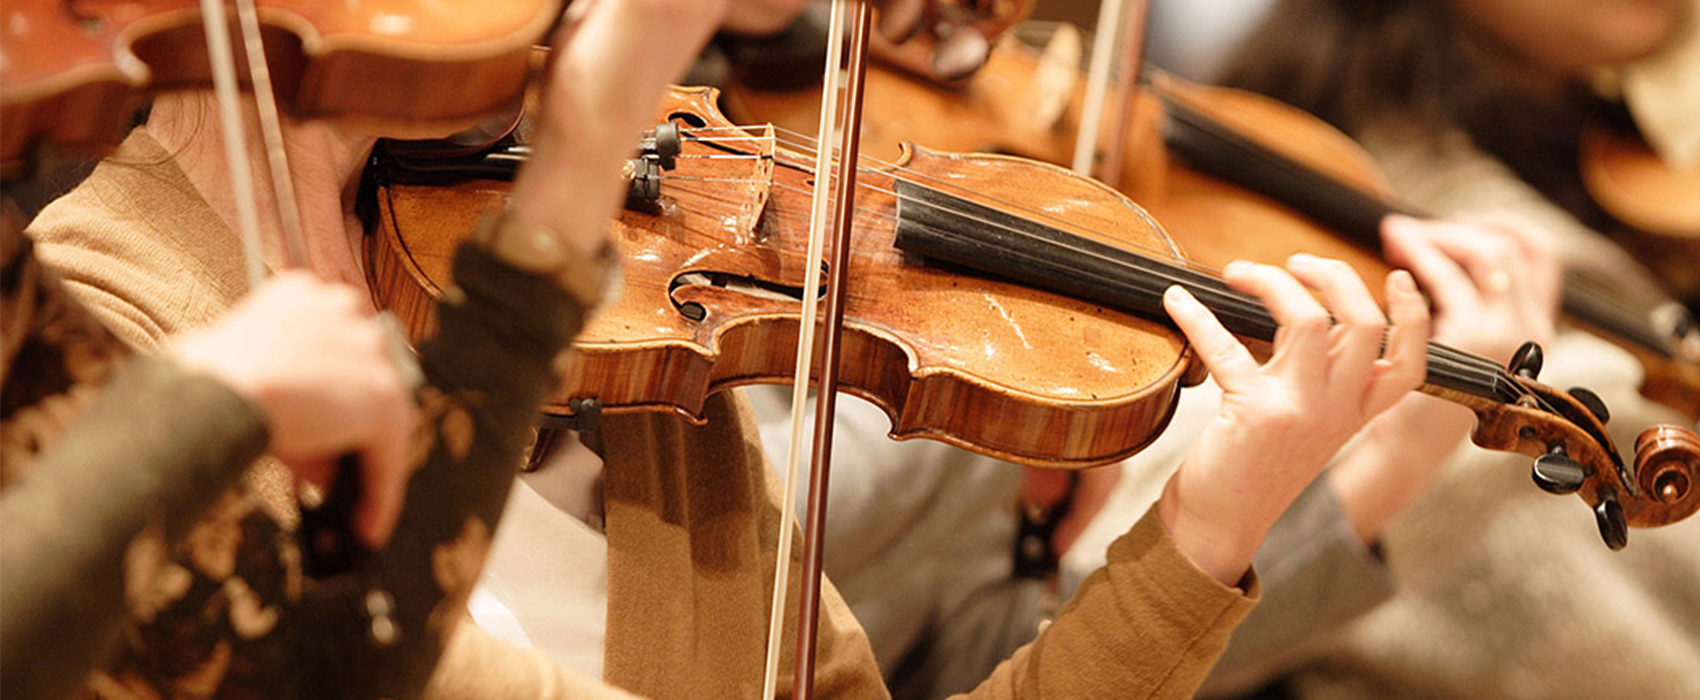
{"points": [[68, 75], [992, 366]]}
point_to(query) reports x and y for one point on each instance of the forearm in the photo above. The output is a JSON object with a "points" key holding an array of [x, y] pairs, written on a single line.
{"points": [[156, 449], [596, 102], [1317, 577], [489, 369], [1394, 460]]}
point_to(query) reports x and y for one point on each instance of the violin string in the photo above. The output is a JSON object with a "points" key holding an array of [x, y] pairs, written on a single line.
{"points": [[1442, 359], [1599, 291], [1451, 357], [802, 143], [1629, 317], [1447, 361]]}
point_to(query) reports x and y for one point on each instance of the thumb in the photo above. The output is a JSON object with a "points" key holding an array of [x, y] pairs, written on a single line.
{"points": [[385, 471]]}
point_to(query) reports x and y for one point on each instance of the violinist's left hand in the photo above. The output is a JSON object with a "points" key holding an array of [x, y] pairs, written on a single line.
{"points": [[612, 62], [1495, 285], [1281, 422]]}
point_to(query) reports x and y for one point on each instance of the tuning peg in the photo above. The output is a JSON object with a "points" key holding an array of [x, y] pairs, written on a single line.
{"points": [[1528, 360], [1592, 402], [1558, 474], [664, 143], [1609, 514]]}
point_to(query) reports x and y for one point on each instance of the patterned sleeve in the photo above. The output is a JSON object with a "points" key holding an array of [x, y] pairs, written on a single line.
{"points": [[488, 370], [235, 617]]}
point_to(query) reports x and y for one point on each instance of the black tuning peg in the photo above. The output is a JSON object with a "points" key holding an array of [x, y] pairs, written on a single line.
{"points": [[1558, 474], [1609, 514], [1528, 361], [664, 143], [1592, 402]]}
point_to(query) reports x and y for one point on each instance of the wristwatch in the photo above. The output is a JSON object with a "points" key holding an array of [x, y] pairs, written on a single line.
{"points": [[540, 249]]}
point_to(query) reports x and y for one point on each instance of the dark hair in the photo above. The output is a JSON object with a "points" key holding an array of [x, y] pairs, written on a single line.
{"points": [[1356, 62]]}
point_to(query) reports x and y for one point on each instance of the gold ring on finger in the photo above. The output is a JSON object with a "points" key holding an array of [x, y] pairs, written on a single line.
{"points": [[1497, 282]]}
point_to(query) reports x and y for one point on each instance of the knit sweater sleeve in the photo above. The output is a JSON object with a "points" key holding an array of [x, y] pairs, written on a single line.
{"points": [[488, 369], [1147, 625], [149, 456]]}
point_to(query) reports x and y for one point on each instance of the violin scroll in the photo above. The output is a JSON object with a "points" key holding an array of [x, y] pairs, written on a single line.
{"points": [[1667, 459], [1573, 453]]}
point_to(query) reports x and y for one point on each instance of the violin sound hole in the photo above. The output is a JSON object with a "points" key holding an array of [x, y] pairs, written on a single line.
{"points": [[739, 284], [688, 119]]}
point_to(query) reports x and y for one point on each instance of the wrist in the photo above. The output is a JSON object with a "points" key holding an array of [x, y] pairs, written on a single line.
{"points": [[584, 274], [1220, 546]]}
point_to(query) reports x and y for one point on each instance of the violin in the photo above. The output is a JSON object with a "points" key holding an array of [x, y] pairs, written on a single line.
{"points": [[1653, 202], [1215, 162], [1256, 143], [71, 71], [1002, 305]]}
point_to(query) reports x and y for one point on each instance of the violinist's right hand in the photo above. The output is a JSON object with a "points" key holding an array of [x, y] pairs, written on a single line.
{"points": [[310, 356], [1281, 422]]}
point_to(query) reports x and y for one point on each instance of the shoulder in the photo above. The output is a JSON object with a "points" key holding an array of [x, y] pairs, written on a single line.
{"points": [[139, 247]]}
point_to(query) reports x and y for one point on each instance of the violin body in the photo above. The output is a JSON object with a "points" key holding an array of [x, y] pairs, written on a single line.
{"points": [[1001, 110], [1657, 205], [986, 309], [713, 283], [69, 71]]}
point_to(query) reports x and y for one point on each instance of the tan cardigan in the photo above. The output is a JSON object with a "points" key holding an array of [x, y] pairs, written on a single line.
{"points": [[692, 511]]}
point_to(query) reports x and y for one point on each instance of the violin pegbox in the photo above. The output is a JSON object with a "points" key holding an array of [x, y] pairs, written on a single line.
{"points": [[1565, 433]]}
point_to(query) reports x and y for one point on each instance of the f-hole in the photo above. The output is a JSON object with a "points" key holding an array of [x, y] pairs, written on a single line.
{"points": [[742, 284]]}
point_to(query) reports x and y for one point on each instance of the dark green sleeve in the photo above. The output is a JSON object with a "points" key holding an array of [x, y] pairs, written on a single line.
{"points": [[488, 370], [156, 449]]}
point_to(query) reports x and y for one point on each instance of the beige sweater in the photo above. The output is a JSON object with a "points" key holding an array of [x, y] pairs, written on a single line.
{"points": [[692, 511]]}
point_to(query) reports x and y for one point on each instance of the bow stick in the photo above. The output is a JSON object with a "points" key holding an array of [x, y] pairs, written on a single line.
{"points": [[1120, 23], [825, 404]]}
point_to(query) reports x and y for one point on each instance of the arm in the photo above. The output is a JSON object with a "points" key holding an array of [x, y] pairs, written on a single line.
{"points": [[488, 369], [1151, 623], [150, 456], [1493, 287], [158, 447]]}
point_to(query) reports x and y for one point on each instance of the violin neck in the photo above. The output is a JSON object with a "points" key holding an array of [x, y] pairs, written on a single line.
{"points": [[948, 228]]}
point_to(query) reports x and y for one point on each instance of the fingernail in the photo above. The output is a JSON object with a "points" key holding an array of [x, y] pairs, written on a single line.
{"points": [[1403, 281], [1237, 266], [1177, 293], [1399, 224], [1301, 259]]}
